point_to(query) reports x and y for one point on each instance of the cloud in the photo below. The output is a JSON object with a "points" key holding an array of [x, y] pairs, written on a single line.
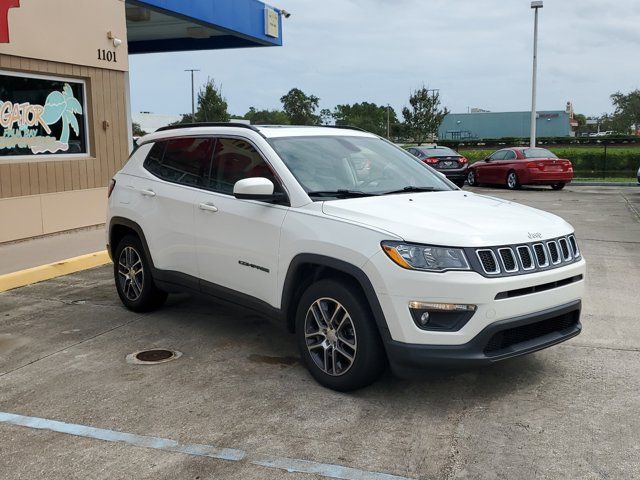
{"points": [[478, 53]]}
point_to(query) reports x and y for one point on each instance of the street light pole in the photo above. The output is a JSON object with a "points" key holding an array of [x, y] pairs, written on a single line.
{"points": [[193, 95], [535, 5]]}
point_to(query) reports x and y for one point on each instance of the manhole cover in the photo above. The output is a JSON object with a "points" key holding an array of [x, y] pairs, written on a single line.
{"points": [[152, 356]]}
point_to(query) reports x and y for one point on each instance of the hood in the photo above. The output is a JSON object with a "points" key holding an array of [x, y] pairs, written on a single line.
{"points": [[455, 218]]}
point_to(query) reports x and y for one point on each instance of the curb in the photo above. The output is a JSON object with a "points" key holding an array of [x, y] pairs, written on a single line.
{"points": [[603, 184], [29, 276]]}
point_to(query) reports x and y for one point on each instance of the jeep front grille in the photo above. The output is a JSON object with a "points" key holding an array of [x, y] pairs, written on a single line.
{"points": [[488, 261], [506, 260]]}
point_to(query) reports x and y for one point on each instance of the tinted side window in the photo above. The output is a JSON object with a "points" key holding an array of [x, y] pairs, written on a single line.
{"points": [[510, 155], [234, 160], [499, 155], [186, 161]]}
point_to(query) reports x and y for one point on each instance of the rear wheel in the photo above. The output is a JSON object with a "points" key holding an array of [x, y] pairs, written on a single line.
{"points": [[471, 178], [558, 186], [512, 181], [337, 336], [134, 282]]}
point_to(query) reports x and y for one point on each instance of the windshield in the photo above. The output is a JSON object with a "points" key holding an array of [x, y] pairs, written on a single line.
{"points": [[356, 165], [438, 152], [538, 153]]}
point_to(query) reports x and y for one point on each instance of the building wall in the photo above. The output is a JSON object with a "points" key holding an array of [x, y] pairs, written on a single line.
{"points": [[485, 125], [44, 194]]}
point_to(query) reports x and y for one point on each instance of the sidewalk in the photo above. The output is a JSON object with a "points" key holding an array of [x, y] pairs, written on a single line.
{"points": [[25, 254]]}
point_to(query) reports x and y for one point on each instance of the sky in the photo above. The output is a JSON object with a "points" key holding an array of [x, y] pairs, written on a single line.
{"points": [[478, 53]]}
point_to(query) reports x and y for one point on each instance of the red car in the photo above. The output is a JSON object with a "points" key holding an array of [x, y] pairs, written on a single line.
{"points": [[514, 167]]}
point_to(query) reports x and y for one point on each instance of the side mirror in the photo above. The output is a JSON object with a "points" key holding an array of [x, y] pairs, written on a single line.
{"points": [[257, 188], [488, 159]]}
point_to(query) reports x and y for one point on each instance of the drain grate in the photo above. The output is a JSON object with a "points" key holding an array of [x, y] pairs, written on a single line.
{"points": [[155, 355]]}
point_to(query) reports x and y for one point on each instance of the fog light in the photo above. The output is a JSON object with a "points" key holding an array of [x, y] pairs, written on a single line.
{"points": [[441, 316]]}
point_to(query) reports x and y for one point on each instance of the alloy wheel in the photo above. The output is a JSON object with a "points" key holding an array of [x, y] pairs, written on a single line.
{"points": [[130, 273], [471, 178], [330, 336], [512, 180]]}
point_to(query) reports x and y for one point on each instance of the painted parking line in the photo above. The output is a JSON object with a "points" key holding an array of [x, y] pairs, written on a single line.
{"points": [[291, 465]]}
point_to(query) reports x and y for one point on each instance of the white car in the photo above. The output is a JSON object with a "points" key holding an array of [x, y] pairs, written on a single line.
{"points": [[388, 264]]}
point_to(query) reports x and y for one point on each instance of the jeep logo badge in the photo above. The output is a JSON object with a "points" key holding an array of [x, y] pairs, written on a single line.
{"points": [[534, 235]]}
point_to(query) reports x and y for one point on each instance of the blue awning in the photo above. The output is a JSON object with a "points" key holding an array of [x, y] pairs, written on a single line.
{"points": [[179, 25]]}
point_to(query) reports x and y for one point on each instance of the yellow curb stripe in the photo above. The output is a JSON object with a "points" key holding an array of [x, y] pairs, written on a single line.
{"points": [[53, 270]]}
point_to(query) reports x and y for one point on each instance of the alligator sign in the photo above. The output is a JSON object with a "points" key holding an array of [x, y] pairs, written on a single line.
{"points": [[41, 116]]}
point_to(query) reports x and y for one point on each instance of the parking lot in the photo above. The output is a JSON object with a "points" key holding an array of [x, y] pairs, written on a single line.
{"points": [[238, 404]]}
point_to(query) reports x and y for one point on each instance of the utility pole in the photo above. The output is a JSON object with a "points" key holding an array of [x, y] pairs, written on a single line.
{"points": [[388, 124], [535, 5], [193, 95]]}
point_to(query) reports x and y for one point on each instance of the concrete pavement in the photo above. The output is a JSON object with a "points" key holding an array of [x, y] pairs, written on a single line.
{"points": [[567, 412]]}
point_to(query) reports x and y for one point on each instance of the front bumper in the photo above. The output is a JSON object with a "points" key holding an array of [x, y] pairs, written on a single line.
{"points": [[498, 341]]}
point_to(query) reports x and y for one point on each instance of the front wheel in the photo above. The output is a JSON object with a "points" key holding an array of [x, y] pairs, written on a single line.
{"points": [[337, 336], [558, 186], [471, 178], [512, 181], [134, 282]]}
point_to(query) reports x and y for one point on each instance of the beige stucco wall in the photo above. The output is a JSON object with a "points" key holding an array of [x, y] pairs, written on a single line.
{"points": [[34, 215], [68, 31]]}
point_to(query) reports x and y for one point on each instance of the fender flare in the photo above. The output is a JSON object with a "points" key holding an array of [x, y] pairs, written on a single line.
{"points": [[290, 284], [125, 222]]}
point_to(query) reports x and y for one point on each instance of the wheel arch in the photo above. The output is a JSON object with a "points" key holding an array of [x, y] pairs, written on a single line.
{"points": [[307, 268], [118, 228]]}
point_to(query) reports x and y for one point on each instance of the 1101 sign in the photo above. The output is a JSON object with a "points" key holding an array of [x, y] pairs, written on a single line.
{"points": [[106, 55]]}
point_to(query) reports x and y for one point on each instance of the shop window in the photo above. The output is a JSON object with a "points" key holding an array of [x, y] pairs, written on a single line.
{"points": [[42, 116]]}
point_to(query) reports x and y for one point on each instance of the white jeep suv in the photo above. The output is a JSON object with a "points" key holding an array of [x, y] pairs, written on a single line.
{"points": [[369, 256]]}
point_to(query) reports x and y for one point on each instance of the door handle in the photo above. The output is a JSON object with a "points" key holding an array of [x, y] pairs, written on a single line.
{"points": [[208, 207], [148, 193]]}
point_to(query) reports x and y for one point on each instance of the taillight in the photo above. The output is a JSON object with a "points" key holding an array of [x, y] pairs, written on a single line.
{"points": [[463, 160], [539, 166], [112, 185], [431, 160]]}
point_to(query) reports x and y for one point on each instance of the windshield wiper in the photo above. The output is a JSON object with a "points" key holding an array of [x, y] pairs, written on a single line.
{"points": [[413, 190], [340, 193]]}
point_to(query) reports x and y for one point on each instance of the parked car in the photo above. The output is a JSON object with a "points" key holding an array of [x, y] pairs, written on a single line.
{"points": [[366, 262], [443, 159], [515, 167]]}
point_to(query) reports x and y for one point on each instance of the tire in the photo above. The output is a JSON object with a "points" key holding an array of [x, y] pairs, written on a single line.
{"points": [[132, 273], [471, 178], [558, 186], [349, 353], [512, 181]]}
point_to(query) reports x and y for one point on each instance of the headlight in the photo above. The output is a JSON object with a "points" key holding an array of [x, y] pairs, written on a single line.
{"points": [[427, 258]]}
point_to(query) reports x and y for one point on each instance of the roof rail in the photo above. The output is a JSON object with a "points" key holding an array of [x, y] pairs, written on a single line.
{"points": [[347, 127], [208, 124]]}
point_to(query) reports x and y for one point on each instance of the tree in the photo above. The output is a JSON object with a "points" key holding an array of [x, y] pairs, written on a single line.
{"points": [[627, 110], [326, 116], [212, 106], [425, 116], [368, 116], [137, 130], [300, 108], [266, 117]]}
